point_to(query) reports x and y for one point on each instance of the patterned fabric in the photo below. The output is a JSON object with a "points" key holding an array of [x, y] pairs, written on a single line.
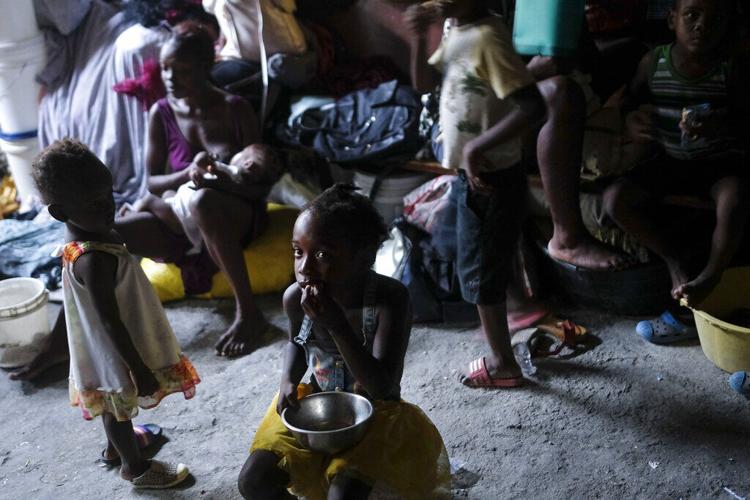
{"points": [[328, 368], [480, 69], [671, 92], [181, 377], [99, 380]]}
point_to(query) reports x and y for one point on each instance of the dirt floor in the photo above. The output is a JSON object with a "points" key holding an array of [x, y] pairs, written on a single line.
{"points": [[623, 420]]}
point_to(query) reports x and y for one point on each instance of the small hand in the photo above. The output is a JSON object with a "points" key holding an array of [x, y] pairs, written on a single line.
{"points": [[203, 160], [197, 175], [209, 177], [320, 307], [287, 397], [473, 161], [640, 126], [146, 382]]}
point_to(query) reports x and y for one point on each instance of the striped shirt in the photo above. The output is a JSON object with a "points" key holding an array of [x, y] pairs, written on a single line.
{"points": [[671, 92]]}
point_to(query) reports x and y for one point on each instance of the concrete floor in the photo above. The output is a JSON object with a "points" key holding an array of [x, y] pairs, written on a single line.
{"points": [[623, 420]]}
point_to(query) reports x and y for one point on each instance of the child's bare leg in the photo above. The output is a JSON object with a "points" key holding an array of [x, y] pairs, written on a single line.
{"points": [[732, 210], [262, 479], [224, 220], [122, 438], [559, 146], [139, 205], [345, 487], [637, 213], [145, 235], [502, 363]]}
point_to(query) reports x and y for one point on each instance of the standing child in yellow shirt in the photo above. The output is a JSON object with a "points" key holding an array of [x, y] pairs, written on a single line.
{"points": [[488, 100]]}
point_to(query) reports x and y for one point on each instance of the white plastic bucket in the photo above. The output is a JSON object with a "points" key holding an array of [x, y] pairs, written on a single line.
{"points": [[20, 155], [389, 196], [20, 62], [17, 21], [24, 326]]}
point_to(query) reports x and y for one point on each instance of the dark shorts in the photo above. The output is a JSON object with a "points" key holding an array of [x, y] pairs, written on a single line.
{"points": [[198, 269], [665, 175], [488, 228]]}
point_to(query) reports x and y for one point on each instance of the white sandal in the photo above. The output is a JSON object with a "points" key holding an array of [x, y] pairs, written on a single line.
{"points": [[161, 475]]}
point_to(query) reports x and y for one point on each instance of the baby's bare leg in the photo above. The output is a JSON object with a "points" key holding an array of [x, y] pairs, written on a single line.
{"points": [[162, 210]]}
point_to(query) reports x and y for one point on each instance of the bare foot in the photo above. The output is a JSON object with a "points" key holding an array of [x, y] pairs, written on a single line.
{"points": [[40, 364], [696, 291], [242, 337], [677, 273], [589, 253]]}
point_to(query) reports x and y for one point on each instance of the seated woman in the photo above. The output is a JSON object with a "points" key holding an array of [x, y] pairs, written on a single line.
{"points": [[229, 211]]}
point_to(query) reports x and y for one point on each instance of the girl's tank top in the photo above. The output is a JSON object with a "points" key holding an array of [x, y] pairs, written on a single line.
{"points": [[329, 370]]}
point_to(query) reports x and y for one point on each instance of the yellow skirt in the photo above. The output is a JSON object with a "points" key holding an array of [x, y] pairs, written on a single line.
{"points": [[401, 452]]}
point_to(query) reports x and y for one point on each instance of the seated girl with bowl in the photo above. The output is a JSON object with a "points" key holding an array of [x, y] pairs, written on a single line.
{"points": [[352, 327]]}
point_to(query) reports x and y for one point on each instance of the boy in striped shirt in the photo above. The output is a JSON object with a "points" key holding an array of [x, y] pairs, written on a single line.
{"points": [[702, 152]]}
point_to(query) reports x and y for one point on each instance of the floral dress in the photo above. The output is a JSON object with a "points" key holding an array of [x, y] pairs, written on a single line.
{"points": [[100, 381]]}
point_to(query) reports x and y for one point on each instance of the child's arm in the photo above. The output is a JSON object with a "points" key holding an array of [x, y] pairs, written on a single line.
{"points": [[380, 372], [294, 355], [530, 109], [156, 157], [424, 78], [639, 124], [97, 271]]}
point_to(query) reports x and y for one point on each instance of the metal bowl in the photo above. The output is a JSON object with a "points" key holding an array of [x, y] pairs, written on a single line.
{"points": [[328, 422]]}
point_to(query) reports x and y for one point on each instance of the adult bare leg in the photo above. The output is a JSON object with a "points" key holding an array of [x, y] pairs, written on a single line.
{"points": [[54, 353], [224, 220], [559, 149]]}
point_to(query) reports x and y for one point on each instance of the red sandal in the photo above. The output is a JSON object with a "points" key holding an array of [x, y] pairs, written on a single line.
{"points": [[479, 377]]}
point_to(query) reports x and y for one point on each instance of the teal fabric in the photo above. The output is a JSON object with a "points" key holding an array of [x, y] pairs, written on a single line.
{"points": [[548, 27]]}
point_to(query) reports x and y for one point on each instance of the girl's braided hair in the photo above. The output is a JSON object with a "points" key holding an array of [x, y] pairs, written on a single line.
{"points": [[350, 217]]}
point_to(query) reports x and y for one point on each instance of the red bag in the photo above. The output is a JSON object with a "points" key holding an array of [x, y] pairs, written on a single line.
{"points": [[424, 204]]}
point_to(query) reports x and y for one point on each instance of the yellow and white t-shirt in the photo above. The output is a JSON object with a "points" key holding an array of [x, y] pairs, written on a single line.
{"points": [[480, 69]]}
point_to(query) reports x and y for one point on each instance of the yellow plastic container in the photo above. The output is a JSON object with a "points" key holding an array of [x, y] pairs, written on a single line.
{"points": [[725, 344]]}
